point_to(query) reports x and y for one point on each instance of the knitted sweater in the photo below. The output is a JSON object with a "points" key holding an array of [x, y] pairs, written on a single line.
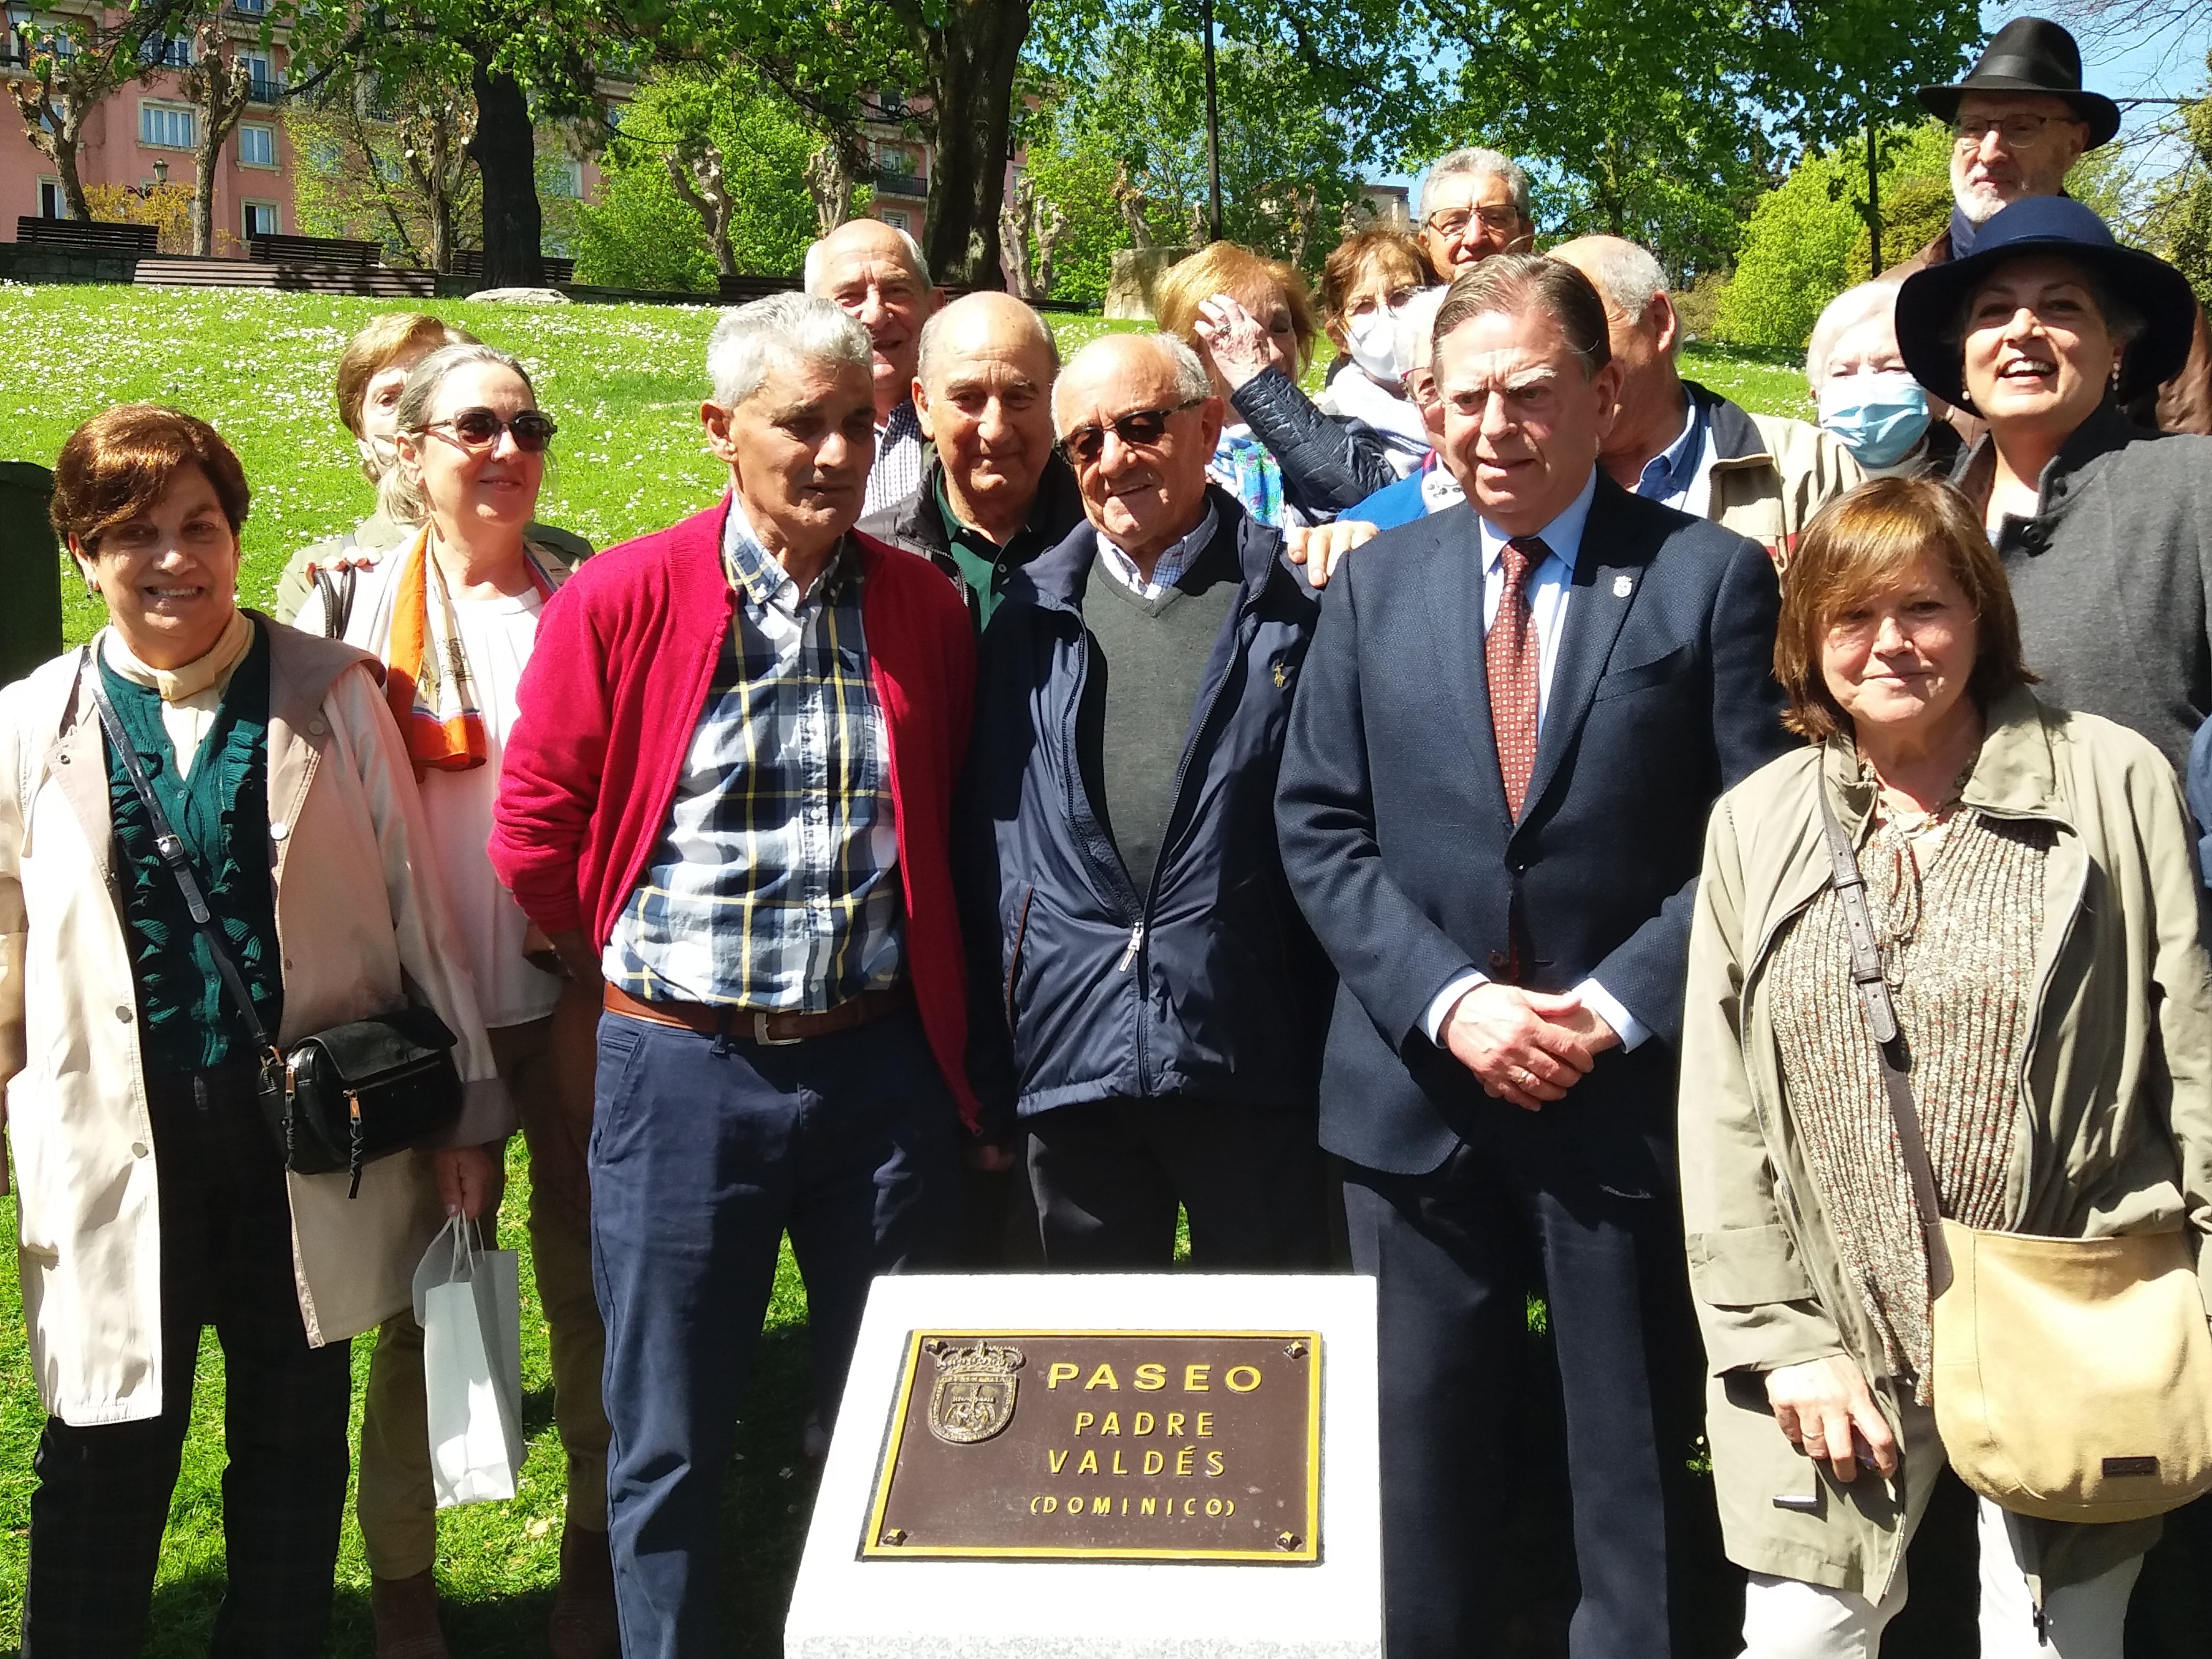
{"points": [[1958, 945]]}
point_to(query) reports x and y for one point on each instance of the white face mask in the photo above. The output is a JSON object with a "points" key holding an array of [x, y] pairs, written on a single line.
{"points": [[1373, 337]]}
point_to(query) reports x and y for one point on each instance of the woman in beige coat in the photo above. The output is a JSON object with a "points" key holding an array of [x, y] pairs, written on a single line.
{"points": [[154, 1200], [2030, 877]]}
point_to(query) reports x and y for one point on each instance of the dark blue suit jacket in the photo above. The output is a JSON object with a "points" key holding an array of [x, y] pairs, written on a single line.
{"points": [[1396, 840]]}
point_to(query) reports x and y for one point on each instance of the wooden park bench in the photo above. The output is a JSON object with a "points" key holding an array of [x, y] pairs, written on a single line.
{"points": [[314, 250], [735, 290], [469, 262], [86, 235]]}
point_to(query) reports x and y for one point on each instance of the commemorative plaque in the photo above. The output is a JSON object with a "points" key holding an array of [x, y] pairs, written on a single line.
{"points": [[1193, 1445]]}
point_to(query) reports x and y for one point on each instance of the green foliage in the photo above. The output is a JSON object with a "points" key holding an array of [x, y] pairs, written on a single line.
{"points": [[641, 233], [2177, 222], [742, 153], [1807, 241], [1119, 139]]}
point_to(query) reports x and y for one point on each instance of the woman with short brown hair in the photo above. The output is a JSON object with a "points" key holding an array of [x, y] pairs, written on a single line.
{"points": [[1368, 280], [1252, 321], [155, 1197], [2031, 883]]}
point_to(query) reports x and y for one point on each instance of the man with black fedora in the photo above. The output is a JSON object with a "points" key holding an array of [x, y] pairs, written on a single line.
{"points": [[2020, 120]]}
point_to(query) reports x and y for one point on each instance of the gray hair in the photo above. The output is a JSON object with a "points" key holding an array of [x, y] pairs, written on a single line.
{"points": [[400, 496], [811, 270], [1843, 313], [783, 328], [1193, 383], [1477, 162], [1416, 325], [933, 348]]}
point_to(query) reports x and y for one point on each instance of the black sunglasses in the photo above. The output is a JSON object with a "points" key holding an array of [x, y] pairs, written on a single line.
{"points": [[479, 428], [1140, 430]]}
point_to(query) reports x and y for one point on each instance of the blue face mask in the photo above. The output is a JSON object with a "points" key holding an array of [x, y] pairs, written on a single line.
{"points": [[1879, 417]]}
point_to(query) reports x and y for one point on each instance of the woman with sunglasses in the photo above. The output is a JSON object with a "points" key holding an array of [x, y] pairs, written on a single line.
{"points": [[452, 613]]}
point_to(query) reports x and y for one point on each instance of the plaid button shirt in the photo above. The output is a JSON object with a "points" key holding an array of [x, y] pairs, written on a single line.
{"points": [[897, 472], [775, 884]]}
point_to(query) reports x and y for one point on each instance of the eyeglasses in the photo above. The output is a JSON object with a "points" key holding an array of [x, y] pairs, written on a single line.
{"points": [[1453, 222], [1970, 131], [1140, 430], [479, 428]]}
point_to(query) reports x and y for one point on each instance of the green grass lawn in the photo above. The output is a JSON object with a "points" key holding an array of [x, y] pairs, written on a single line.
{"points": [[624, 384]]}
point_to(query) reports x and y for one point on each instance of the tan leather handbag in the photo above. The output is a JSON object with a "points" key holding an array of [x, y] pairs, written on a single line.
{"points": [[2072, 1376]]}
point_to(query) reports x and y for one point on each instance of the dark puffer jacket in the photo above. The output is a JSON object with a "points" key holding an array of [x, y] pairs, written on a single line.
{"points": [[1087, 989]]}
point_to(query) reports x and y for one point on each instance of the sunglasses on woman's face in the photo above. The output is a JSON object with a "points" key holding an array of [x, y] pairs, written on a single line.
{"points": [[1140, 428], [479, 428]]}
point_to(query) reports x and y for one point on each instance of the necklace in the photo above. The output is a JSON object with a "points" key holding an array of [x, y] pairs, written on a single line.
{"points": [[1911, 820]]}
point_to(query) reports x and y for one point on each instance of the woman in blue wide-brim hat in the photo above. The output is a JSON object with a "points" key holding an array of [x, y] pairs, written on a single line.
{"points": [[2045, 331]]}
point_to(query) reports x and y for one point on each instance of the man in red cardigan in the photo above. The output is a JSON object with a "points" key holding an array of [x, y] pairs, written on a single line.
{"points": [[727, 800]]}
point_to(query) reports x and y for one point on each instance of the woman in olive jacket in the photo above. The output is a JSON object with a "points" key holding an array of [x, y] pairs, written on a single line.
{"points": [[2033, 887]]}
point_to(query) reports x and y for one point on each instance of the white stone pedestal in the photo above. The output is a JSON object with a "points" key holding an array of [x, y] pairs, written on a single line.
{"points": [[845, 1607]]}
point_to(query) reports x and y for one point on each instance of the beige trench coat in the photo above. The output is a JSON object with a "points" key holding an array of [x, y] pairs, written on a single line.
{"points": [[2117, 1097], [354, 912]]}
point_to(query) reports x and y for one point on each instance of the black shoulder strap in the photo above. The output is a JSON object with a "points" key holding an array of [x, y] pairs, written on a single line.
{"points": [[1881, 1022], [173, 854]]}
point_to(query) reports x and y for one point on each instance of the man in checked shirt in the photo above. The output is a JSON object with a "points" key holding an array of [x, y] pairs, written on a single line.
{"points": [[727, 799]]}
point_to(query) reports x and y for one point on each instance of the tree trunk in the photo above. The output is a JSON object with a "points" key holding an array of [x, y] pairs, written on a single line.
{"points": [[506, 153], [204, 199], [970, 60], [64, 154]]}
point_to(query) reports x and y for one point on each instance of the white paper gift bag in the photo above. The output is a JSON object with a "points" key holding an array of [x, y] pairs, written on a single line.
{"points": [[469, 1301]]}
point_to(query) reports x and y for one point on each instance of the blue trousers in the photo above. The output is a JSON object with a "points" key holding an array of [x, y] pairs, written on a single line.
{"points": [[704, 1153]]}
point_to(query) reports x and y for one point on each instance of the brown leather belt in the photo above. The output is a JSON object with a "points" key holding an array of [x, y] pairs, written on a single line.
{"points": [[776, 1028]]}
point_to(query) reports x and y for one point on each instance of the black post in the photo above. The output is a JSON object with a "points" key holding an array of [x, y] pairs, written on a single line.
{"points": [[1874, 186], [1213, 131]]}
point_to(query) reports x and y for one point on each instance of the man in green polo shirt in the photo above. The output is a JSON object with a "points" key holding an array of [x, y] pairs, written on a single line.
{"points": [[994, 493]]}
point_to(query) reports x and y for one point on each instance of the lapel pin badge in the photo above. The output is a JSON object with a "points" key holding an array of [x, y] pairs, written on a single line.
{"points": [[1623, 586]]}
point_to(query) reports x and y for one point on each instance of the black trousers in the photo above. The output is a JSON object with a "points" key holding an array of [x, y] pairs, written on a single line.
{"points": [[1109, 1175], [103, 1493], [1456, 1255]]}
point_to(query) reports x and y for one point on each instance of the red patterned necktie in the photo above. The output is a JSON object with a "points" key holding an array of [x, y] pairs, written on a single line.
{"points": [[1513, 654]]}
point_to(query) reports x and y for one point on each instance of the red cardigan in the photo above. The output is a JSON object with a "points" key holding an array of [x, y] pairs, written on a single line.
{"points": [[625, 652]]}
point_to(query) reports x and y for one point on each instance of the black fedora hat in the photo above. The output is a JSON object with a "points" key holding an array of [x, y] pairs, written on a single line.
{"points": [[2030, 54], [1931, 300]]}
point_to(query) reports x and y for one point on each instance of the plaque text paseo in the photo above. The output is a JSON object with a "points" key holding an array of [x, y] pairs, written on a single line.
{"points": [[1115, 1445]]}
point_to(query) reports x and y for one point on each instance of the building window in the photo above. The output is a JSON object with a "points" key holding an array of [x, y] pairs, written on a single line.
{"points": [[165, 126], [52, 204], [167, 51], [261, 219], [257, 147], [263, 86], [898, 220], [566, 179], [256, 7]]}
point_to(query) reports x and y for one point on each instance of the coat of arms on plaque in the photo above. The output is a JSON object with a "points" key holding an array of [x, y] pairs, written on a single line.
{"points": [[974, 1398]]}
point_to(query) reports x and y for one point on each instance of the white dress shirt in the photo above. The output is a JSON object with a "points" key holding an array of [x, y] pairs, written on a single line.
{"points": [[1171, 564], [1549, 587]]}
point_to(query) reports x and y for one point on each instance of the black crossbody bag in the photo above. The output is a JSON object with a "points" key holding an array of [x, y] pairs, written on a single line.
{"points": [[344, 1097]]}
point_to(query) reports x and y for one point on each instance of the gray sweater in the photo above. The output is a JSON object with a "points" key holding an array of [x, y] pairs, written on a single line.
{"points": [[2113, 575]]}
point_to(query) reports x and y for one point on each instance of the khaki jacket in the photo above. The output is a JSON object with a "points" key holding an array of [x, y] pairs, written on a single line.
{"points": [[2118, 1097], [356, 911], [1771, 474]]}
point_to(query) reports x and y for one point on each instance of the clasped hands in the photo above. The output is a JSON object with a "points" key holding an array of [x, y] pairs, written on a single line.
{"points": [[1528, 1048]]}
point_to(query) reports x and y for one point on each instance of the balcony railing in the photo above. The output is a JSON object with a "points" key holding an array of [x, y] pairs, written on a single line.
{"points": [[265, 89], [889, 182]]}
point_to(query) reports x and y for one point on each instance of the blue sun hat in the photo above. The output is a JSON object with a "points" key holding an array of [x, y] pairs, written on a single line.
{"points": [[1931, 300]]}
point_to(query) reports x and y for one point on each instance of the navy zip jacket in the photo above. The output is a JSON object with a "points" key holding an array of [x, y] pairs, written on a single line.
{"points": [[1210, 984]]}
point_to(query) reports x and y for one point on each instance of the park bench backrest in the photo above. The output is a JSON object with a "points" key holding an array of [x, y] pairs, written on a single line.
{"points": [[314, 251], [91, 234]]}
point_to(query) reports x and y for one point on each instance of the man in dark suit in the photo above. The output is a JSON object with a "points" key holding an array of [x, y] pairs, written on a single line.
{"points": [[1515, 716]]}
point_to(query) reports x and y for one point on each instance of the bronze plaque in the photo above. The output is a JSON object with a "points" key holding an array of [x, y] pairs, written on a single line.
{"points": [[1108, 1445]]}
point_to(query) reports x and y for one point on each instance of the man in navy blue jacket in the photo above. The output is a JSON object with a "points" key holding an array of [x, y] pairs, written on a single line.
{"points": [[1158, 1000], [1516, 717]]}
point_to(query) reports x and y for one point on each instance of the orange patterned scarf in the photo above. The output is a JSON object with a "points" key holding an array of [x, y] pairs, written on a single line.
{"points": [[426, 680]]}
